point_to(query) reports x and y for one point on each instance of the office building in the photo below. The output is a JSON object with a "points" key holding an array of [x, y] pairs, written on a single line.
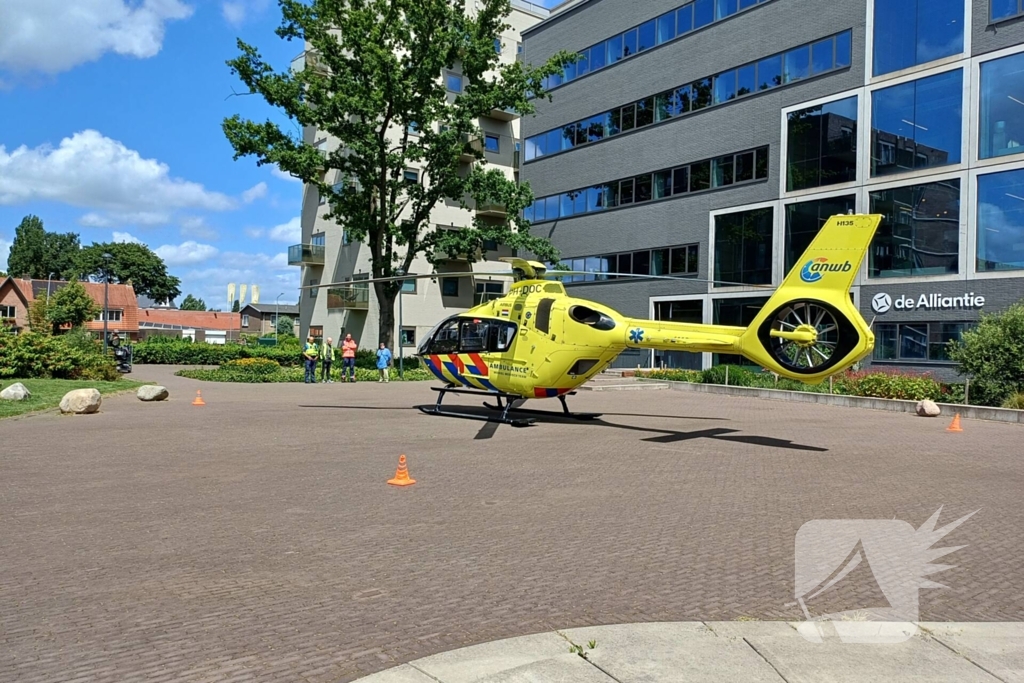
{"points": [[327, 255], [712, 139]]}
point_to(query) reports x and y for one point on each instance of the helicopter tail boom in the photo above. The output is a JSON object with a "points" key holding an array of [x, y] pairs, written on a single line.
{"points": [[809, 328]]}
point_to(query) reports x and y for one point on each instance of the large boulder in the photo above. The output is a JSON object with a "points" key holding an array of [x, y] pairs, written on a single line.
{"points": [[15, 392], [928, 409], [151, 392], [81, 401]]}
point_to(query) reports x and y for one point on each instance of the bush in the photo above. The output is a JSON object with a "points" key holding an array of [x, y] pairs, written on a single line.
{"points": [[233, 372], [692, 376], [42, 356], [992, 355], [889, 384], [257, 367], [1015, 401]]}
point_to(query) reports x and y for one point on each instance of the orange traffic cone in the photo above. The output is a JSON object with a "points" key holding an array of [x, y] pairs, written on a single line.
{"points": [[401, 475], [955, 424], [199, 400]]}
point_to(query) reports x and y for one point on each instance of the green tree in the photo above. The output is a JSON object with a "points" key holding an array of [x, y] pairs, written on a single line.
{"points": [[38, 315], [285, 326], [36, 253], [992, 356], [129, 262], [235, 307], [374, 82], [190, 303], [71, 305]]}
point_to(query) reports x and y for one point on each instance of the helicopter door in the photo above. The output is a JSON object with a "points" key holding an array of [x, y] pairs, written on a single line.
{"points": [[444, 340]]}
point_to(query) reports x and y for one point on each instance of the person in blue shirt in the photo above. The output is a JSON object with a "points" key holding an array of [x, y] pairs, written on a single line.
{"points": [[383, 362]]}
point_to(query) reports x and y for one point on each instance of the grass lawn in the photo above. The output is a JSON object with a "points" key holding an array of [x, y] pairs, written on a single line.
{"points": [[47, 393]]}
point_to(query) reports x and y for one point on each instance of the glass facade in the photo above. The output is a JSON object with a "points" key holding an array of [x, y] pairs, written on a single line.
{"points": [[699, 176], [1005, 9], [669, 26], [918, 342], [680, 260], [689, 311], [804, 220], [738, 312], [917, 125], [813, 59], [912, 32], [1001, 221], [822, 145], [920, 230], [1001, 125], [743, 248]]}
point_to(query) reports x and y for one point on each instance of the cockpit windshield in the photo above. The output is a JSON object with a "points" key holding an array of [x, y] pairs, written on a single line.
{"points": [[469, 335]]}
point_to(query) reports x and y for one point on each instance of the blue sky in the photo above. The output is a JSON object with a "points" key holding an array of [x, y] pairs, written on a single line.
{"points": [[110, 126]]}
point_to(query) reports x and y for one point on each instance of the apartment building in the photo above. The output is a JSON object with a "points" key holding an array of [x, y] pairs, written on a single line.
{"points": [[327, 255], [711, 139]]}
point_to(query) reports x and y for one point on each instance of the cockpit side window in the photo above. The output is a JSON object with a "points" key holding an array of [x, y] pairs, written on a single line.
{"points": [[445, 340], [502, 336], [474, 336]]}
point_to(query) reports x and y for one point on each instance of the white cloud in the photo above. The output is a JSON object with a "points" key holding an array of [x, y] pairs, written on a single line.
{"points": [[287, 232], [126, 237], [51, 36], [196, 226], [255, 233], [276, 171], [94, 220], [5, 250], [92, 171], [185, 254], [257, 191], [235, 12], [271, 273]]}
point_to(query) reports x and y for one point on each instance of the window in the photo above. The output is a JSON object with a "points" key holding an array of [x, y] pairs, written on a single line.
{"points": [[1002, 107], [918, 123], [318, 239], [1004, 9], [920, 230], [449, 286], [681, 260], [413, 128], [737, 312], [497, 45], [245, 321], [679, 312], [7, 311], [491, 143], [804, 220], [1001, 221], [918, 342], [113, 316], [743, 248], [408, 336], [314, 289], [822, 145], [723, 171], [833, 52], [408, 286], [912, 32], [412, 177], [453, 82], [488, 291]]}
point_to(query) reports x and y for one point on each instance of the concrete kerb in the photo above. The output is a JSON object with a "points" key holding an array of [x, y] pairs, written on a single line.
{"points": [[772, 651], [887, 404]]}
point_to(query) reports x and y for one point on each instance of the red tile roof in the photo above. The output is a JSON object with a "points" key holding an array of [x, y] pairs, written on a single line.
{"points": [[200, 320]]}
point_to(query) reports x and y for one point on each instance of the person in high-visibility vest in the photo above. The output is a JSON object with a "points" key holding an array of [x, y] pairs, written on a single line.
{"points": [[348, 358], [326, 358], [309, 354]]}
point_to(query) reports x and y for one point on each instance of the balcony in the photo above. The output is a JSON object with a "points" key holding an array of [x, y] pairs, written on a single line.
{"points": [[354, 298], [495, 209], [504, 114], [471, 142], [306, 255]]}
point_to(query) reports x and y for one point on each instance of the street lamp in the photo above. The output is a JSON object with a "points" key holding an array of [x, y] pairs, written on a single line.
{"points": [[401, 351], [277, 316], [106, 286]]}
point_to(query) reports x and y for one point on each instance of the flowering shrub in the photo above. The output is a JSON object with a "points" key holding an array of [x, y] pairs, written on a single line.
{"points": [[43, 356], [253, 366]]}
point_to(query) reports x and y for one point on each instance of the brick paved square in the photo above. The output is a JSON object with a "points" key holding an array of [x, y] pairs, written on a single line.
{"points": [[255, 538]]}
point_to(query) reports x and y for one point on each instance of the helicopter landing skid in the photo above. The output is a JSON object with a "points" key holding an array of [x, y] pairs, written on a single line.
{"points": [[565, 409], [504, 419]]}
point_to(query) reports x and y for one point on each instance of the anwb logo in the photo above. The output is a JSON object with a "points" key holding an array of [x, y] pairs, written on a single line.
{"points": [[863, 576], [813, 269]]}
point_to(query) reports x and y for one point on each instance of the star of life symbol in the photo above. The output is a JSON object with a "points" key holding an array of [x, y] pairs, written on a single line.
{"points": [[879, 561]]}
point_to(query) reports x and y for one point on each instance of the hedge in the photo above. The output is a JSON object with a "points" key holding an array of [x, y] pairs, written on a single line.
{"points": [[74, 355], [184, 352], [237, 371], [876, 383]]}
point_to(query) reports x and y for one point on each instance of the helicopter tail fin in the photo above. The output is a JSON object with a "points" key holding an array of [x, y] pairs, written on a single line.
{"points": [[810, 329]]}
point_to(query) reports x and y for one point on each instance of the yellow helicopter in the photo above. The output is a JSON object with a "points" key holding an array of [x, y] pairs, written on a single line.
{"points": [[538, 342]]}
